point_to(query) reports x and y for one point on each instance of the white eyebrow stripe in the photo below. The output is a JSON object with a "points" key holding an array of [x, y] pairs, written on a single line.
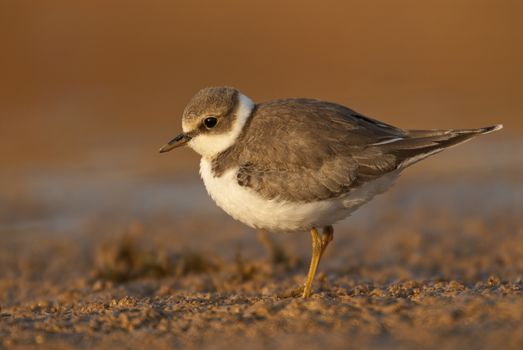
{"points": [[387, 141]]}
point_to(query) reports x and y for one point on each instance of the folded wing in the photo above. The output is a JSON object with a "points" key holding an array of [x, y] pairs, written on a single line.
{"points": [[324, 150]]}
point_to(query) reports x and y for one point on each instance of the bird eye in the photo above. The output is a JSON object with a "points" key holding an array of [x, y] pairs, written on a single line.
{"points": [[210, 122]]}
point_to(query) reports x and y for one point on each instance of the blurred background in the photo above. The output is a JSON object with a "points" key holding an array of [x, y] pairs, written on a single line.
{"points": [[89, 90], [110, 79]]}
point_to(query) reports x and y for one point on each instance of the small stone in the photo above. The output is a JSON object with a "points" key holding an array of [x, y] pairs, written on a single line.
{"points": [[493, 281], [98, 286], [39, 339]]}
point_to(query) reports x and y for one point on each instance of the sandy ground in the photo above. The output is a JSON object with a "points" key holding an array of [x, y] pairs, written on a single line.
{"points": [[437, 263]]}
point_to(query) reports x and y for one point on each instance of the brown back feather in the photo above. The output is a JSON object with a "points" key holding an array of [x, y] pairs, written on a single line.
{"points": [[308, 150]]}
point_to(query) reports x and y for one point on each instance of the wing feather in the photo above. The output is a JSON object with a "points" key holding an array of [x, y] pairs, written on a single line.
{"points": [[319, 152], [308, 150]]}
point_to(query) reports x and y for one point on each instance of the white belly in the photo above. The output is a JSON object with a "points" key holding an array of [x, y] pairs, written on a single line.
{"points": [[245, 205]]}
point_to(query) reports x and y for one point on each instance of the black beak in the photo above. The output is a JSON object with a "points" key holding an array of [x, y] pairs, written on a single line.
{"points": [[178, 141]]}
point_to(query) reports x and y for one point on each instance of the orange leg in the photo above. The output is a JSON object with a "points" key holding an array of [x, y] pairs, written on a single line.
{"points": [[319, 244]]}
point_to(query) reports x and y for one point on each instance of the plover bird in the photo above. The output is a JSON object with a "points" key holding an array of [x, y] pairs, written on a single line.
{"points": [[299, 164]]}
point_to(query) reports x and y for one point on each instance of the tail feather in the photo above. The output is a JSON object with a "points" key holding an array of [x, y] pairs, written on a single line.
{"points": [[439, 132], [419, 144]]}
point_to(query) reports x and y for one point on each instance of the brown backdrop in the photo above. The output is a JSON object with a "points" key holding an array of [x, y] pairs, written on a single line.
{"points": [[84, 77]]}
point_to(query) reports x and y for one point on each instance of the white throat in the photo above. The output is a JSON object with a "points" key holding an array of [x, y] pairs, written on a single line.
{"points": [[209, 145]]}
